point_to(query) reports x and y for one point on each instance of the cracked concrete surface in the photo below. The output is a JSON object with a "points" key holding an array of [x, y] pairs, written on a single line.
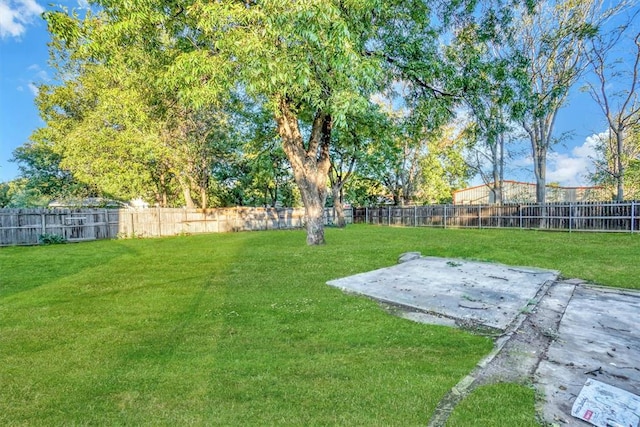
{"points": [[556, 333], [485, 294], [598, 338]]}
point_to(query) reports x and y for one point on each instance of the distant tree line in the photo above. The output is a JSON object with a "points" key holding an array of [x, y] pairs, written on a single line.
{"points": [[268, 103]]}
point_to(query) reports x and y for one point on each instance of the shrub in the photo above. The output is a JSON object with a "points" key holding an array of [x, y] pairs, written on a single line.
{"points": [[51, 239]]}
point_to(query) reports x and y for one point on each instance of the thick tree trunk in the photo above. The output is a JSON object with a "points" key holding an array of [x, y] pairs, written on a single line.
{"points": [[497, 193], [310, 164], [314, 217], [540, 136], [540, 169]]}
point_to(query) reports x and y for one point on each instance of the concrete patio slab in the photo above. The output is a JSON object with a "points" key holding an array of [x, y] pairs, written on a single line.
{"points": [[558, 333], [598, 338], [469, 292]]}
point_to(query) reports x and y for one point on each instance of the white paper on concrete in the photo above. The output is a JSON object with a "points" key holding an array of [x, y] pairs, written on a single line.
{"points": [[603, 405]]}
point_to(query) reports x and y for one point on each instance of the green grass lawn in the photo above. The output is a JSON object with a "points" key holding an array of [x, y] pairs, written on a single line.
{"points": [[496, 405], [240, 329]]}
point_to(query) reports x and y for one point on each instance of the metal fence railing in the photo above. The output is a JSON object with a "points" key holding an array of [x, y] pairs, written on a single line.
{"points": [[583, 216]]}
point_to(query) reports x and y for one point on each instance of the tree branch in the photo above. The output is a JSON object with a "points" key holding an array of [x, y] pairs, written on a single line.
{"points": [[411, 76]]}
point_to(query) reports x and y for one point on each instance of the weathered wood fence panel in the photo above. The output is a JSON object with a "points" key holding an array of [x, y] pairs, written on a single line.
{"points": [[586, 216], [26, 226]]}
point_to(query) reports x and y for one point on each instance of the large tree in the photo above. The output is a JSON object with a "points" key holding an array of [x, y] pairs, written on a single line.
{"points": [[485, 66], [117, 125], [367, 132], [41, 171], [552, 41], [615, 88], [417, 165], [311, 65], [304, 59]]}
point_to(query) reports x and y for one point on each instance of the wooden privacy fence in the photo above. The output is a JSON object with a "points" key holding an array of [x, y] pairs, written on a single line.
{"points": [[586, 216], [26, 226]]}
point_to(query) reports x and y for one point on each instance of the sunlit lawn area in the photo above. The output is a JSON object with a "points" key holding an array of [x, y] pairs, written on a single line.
{"points": [[240, 329]]}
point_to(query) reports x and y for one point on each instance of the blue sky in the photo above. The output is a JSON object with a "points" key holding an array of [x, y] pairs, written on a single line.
{"points": [[23, 65]]}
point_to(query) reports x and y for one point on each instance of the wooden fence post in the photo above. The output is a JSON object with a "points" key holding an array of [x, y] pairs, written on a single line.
{"points": [[44, 223], [445, 216], [159, 222], [106, 224], [570, 215], [633, 219]]}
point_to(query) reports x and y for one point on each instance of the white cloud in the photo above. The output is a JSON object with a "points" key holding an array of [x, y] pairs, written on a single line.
{"points": [[39, 73], [15, 15], [35, 76], [572, 169], [34, 89]]}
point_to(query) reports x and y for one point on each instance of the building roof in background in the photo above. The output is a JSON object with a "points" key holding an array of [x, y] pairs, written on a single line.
{"points": [[525, 192]]}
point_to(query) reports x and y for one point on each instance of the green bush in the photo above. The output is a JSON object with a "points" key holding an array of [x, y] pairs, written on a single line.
{"points": [[51, 239]]}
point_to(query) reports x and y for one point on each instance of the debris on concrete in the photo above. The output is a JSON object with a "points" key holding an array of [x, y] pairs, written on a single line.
{"points": [[598, 338], [482, 293], [603, 405], [408, 256]]}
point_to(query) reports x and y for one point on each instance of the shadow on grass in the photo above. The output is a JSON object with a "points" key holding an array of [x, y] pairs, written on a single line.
{"points": [[27, 268], [135, 335]]}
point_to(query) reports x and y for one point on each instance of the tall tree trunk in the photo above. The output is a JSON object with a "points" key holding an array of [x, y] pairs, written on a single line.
{"points": [[186, 192], [310, 164], [541, 191], [336, 193], [204, 199], [162, 197], [203, 189], [619, 166], [540, 171], [497, 172], [539, 146], [500, 186]]}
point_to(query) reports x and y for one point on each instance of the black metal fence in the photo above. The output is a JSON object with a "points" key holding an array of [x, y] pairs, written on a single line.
{"points": [[585, 216]]}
